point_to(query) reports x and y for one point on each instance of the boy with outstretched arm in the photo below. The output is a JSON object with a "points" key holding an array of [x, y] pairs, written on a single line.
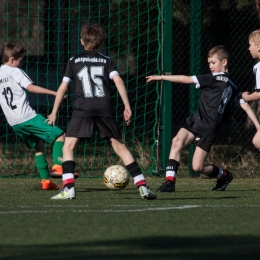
{"points": [[217, 93]]}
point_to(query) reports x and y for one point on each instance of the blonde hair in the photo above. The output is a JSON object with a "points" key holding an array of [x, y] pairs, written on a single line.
{"points": [[254, 36], [221, 52]]}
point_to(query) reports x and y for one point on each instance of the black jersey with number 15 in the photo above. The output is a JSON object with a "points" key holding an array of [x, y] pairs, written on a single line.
{"points": [[91, 73]]}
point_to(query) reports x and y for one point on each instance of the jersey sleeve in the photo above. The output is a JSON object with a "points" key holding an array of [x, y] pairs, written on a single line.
{"points": [[68, 76], [201, 81], [257, 77], [112, 69], [22, 78], [196, 82]]}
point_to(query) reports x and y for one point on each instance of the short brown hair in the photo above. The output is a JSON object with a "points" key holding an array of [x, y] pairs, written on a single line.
{"points": [[254, 36], [221, 52], [92, 36], [12, 50]]}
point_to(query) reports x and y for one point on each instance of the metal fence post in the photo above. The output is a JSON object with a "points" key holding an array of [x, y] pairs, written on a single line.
{"points": [[195, 64], [166, 86]]}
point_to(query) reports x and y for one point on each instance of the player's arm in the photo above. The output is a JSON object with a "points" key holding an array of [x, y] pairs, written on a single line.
{"points": [[39, 90], [173, 78], [247, 108], [251, 97], [120, 85], [59, 97]]}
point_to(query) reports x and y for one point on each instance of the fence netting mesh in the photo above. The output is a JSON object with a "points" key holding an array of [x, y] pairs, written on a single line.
{"points": [[50, 31]]}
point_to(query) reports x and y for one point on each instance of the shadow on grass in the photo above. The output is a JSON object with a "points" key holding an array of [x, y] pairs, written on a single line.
{"points": [[152, 248]]}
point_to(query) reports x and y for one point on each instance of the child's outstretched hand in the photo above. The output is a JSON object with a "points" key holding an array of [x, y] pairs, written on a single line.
{"points": [[51, 119], [127, 115], [151, 78]]}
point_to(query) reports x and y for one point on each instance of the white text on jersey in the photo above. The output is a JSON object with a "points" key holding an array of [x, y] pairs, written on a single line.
{"points": [[222, 78], [3, 80], [87, 59]]}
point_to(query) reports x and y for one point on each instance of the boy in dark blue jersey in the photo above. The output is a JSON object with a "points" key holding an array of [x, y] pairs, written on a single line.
{"points": [[218, 92], [91, 73]]}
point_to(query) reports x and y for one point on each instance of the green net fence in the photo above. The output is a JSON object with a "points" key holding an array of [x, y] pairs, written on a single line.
{"points": [[50, 31], [198, 26]]}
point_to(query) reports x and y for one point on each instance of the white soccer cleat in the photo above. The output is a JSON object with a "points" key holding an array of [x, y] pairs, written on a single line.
{"points": [[146, 193], [65, 193]]}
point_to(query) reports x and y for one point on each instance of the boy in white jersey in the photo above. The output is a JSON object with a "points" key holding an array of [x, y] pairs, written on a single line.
{"points": [[91, 73], [27, 124], [217, 94], [254, 48]]}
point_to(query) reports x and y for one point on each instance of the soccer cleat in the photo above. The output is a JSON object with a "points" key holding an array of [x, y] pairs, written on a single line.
{"points": [[223, 183], [146, 193], [48, 185], [167, 186], [65, 193], [56, 172]]}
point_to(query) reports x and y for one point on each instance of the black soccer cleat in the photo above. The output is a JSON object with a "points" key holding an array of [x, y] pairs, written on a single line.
{"points": [[223, 183], [167, 186]]}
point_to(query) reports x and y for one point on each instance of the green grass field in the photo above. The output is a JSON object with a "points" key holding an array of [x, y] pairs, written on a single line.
{"points": [[192, 223]]}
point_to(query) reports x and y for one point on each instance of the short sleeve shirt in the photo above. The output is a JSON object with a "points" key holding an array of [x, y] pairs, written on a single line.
{"points": [[218, 93], [256, 71], [91, 73], [13, 98]]}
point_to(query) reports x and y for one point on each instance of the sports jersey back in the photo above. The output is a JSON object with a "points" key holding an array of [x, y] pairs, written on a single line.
{"points": [[13, 97], [91, 73]]}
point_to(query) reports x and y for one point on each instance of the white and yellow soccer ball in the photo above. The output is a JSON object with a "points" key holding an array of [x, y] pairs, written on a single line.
{"points": [[116, 177]]}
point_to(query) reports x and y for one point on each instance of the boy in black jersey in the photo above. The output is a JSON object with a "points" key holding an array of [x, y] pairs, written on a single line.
{"points": [[91, 72], [218, 92]]}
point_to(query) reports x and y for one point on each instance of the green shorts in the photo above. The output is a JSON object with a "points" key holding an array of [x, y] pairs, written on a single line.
{"points": [[36, 129]]}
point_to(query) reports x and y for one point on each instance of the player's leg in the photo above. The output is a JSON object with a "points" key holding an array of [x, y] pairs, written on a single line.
{"points": [[181, 140], [57, 155], [133, 168], [28, 132], [224, 177], [43, 169], [68, 168], [256, 140]]}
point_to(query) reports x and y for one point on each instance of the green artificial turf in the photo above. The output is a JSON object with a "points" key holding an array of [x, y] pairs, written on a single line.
{"points": [[192, 223]]}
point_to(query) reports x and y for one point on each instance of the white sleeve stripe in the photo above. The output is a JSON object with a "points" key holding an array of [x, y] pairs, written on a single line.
{"points": [[66, 79], [196, 82], [112, 74], [242, 101]]}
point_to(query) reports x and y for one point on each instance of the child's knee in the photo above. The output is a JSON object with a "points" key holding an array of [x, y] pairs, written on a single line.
{"points": [[177, 143], [256, 143], [197, 167], [61, 138]]}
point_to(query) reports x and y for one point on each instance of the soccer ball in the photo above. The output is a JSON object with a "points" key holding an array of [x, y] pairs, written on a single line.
{"points": [[116, 177]]}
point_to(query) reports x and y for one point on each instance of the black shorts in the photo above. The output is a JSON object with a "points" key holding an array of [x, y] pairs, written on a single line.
{"points": [[199, 140], [85, 127]]}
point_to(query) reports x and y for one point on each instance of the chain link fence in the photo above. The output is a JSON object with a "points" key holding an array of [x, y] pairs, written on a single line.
{"points": [[221, 23], [50, 31]]}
